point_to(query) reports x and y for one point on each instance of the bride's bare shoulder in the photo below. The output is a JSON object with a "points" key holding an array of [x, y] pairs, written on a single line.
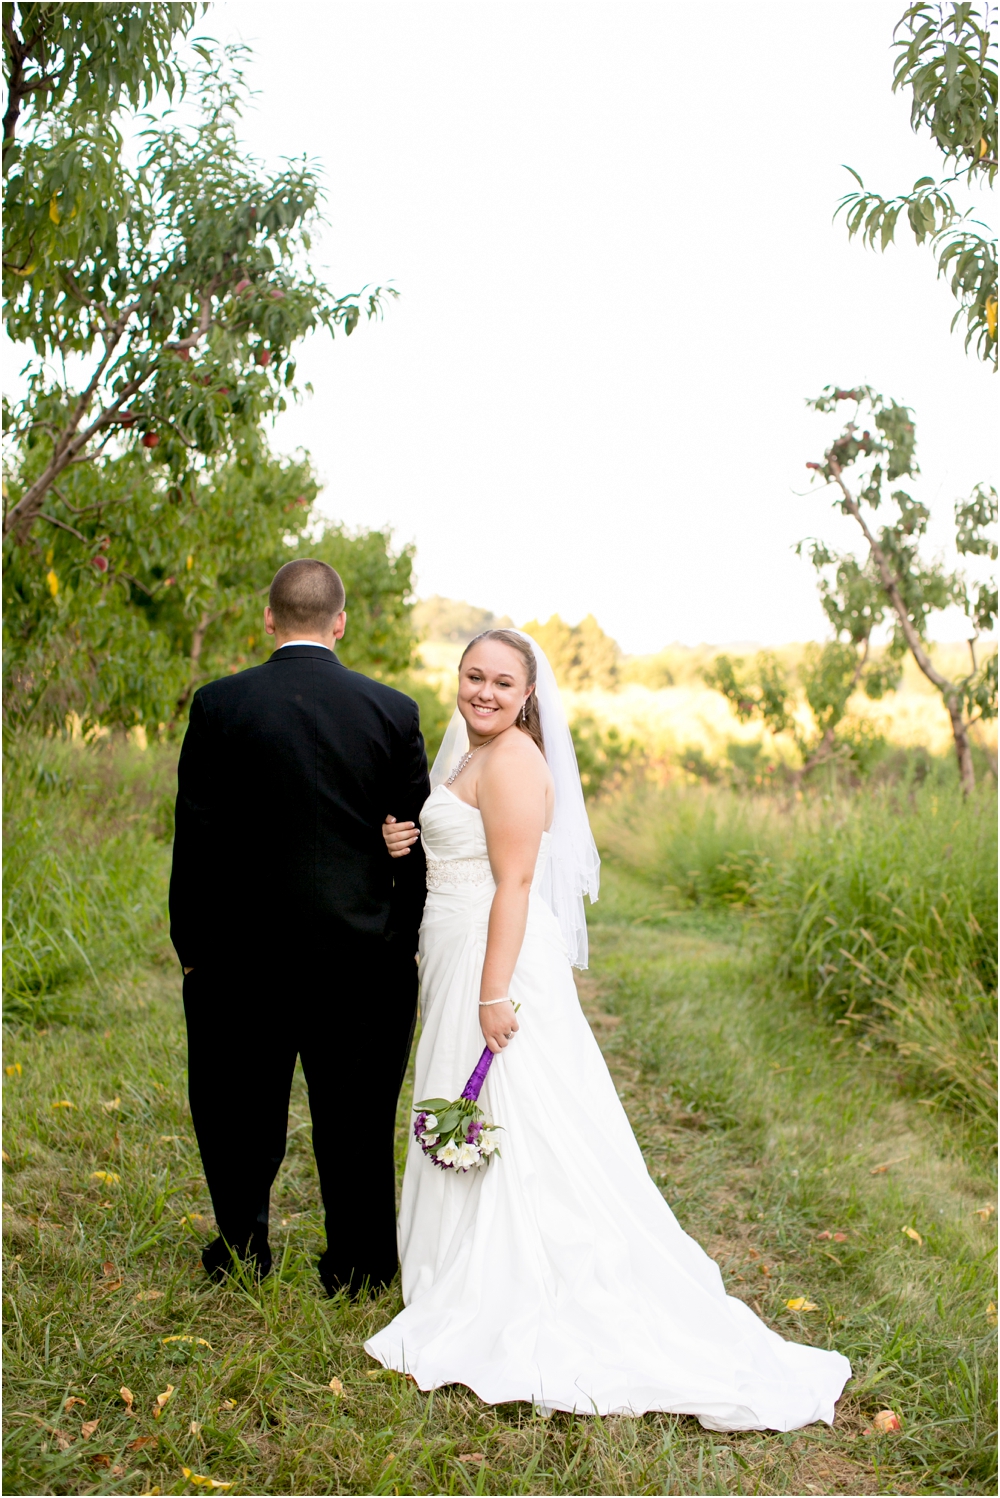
{"points": [[516, 754]]}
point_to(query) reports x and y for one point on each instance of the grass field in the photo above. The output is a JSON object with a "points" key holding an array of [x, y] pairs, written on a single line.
{"points": [[809, 1159], [762, 1135]]}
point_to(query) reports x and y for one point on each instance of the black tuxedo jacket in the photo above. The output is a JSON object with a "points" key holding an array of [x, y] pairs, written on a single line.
{"points": [[286, 774]]}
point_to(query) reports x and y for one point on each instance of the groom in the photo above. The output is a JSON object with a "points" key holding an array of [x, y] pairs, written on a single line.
{"points": [[296, 933]]}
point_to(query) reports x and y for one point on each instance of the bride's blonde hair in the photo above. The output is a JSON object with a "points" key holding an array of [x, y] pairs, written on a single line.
{"points": [[529, 719]]}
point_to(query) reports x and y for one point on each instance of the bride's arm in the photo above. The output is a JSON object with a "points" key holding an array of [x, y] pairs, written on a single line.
{"points": [[511, 793]]}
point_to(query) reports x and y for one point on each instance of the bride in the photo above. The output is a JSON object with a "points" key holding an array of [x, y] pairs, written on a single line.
{"points": [[558, 1274]]}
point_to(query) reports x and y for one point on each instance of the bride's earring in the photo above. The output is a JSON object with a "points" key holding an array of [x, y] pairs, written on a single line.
{"points": [[524, 711]]}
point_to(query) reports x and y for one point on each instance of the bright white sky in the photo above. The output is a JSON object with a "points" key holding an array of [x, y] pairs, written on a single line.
{"points": [[611, 227]]}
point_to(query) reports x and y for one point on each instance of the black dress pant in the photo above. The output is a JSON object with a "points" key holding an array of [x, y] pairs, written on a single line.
{"points": [[350, 1016]]}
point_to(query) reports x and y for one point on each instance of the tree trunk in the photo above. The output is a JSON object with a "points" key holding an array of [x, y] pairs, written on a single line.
{"points": [[952, 697], [194, 655], [963, 745]]}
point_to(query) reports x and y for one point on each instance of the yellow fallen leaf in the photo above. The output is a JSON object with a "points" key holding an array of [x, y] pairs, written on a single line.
{"points": [[149, 1295], [5, 1157], [15, 1070], [801, 1304], [912, 1233], [991, 1314], [73, 1399], [170, 1139], [472, 1456], [228, 1404], [63, 1104], [886, 1421], [374, 1373], [161, 1400], [88, 1427], [128, 1397], [208, 1482], [194, 1429], [108, 1177], [336, 1386], [198, 1341], [984, 1212], [111, 1105]]}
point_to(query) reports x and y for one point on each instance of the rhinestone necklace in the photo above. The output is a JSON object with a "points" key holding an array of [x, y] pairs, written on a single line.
{"points": [[456, 772]]}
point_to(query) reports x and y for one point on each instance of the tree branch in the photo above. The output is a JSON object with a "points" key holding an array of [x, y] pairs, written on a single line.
{"points": [[64, 527]]}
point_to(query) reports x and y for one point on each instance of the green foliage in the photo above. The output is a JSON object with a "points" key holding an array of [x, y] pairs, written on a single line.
{"points": [[380, 639], [947, 60], [764, 690], [603, 756], [944, 61], [894, 581], [144, 589], [180, 286], [582, 655], [438, 618]]}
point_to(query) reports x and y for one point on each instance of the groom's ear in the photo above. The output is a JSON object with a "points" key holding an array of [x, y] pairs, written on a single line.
{"points": [[339, 625], [269, 620]]}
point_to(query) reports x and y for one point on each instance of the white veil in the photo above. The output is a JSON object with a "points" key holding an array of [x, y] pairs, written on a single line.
{"points": [[574, 864]]}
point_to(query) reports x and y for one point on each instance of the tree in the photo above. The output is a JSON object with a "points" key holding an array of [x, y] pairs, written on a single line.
{"points": [[582, 655], [90, 55], [121, 611], [894, 581], [162, 302], [438, 618], [947, 61], [829, 675]]}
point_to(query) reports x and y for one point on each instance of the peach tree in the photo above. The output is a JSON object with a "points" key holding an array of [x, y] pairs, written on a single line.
{"points": [[894, 580]]}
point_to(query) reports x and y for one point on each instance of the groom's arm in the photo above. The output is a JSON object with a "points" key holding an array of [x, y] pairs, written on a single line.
{"points": [[194, 848], [409, 790]]}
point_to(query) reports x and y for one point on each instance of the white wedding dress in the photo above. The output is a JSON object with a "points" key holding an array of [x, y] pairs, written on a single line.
{"points": [[558, 1274]]}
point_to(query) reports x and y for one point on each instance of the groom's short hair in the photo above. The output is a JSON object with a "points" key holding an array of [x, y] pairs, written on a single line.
{"points": [[306, 594]]}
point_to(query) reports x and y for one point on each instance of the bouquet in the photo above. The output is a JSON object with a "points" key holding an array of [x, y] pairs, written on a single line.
{"points": [[455, 1135]]}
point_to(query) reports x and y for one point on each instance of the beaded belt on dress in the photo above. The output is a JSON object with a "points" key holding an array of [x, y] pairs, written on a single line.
{"points": [[444, 872]]}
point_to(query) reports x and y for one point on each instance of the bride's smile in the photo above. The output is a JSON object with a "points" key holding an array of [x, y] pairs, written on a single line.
{"points": [[492, 689]]}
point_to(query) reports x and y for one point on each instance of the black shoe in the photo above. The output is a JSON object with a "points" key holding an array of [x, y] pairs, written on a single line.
{"points": [[354, 1286], [220, 1260]]}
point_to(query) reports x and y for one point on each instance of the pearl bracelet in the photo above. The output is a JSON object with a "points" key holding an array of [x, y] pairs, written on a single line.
{"points": [[483, 1002]]}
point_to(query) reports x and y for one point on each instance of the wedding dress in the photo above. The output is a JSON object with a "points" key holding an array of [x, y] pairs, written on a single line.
{"points": [[558, 1274]]}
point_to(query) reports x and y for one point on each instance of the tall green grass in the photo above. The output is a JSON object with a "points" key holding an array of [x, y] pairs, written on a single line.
{"points": [[879, 904], [87, 830]]}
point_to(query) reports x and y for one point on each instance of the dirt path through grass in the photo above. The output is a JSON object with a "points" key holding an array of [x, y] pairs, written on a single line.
{"points": [[762, 1132]]}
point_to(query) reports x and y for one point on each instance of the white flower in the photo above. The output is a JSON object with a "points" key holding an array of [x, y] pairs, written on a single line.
{"points": [[468, 1155], [448, 1153], [429, 1140], [488, 1141], [430, 1122]]}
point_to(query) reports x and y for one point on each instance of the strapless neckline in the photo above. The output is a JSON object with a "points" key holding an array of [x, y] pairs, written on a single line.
{"points": [[546, 832]]}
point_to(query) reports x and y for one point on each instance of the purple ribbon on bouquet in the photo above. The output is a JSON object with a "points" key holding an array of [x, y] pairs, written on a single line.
{"points": [[474, 1085]]}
